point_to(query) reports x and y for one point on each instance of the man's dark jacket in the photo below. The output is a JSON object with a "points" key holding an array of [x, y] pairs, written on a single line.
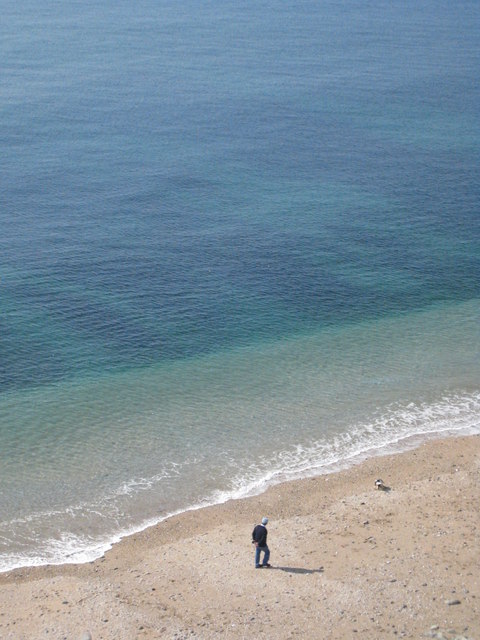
{"points": [[259, 535]]}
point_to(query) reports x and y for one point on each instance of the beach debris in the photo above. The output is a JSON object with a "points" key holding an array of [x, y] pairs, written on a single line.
{"points": [[86, 635], [381, 485], [452, 602], [450, 634]]}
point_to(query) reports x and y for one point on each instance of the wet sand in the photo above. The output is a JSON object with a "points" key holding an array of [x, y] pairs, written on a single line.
{"points": [[348, 561]]}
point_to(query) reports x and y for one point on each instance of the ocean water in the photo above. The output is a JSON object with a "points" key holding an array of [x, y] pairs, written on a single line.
{"points": [[240, 243]]}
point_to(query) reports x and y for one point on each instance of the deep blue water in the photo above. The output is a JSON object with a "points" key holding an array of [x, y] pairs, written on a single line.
{"points": [[196, 197]]}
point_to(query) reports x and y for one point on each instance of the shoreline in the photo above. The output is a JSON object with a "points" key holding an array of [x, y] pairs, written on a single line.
{"points": [[395, 447], [347, 559], [405, 443]]}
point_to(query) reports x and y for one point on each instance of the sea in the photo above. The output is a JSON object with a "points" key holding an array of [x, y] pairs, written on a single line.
{"points": [[239, 244]]}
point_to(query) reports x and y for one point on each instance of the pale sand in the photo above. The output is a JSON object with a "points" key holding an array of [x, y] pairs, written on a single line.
{"points": [[349, 561]]}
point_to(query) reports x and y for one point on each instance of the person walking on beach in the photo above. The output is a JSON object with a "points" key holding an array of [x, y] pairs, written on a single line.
{"points": [[259, 539]]}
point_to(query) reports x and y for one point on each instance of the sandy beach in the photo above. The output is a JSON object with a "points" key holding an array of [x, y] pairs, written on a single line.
{"points": [[348, 561]]}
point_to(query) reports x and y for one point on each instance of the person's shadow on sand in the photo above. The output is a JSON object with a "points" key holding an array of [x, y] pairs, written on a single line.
{"points": [[298, 570]]}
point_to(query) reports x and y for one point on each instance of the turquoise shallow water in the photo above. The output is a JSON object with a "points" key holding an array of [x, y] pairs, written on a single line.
{"points": [[240, 244], [91, 460]]}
